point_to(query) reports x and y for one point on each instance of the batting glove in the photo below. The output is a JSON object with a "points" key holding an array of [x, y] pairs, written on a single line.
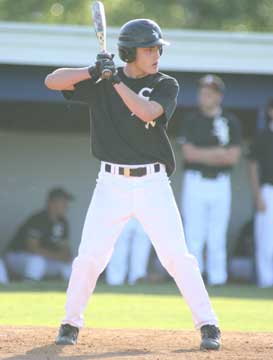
{"points": [[96, 70], [108, 65]]}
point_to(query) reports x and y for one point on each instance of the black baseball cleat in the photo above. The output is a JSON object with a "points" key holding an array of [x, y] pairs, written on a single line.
{"points": [[68, 335], [211, 337]]}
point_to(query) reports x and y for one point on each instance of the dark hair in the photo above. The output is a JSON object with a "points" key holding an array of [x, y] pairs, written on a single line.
{"points": [[212, 81], [59, 193]]}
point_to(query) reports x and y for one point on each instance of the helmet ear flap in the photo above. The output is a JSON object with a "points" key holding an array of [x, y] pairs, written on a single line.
{"points": [[127, 54]]}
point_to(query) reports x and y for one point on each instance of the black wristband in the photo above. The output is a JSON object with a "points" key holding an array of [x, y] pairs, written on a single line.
{"points": [[92, 70], [115, 79]]}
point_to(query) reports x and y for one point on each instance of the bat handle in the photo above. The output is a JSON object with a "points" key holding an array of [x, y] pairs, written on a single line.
{"points": [[106, 74]]}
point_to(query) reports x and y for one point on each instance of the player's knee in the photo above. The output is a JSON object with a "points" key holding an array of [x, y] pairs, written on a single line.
{"points": [[179, 263], [190, 259], [35, 267], [87, 264], [170, 263]]}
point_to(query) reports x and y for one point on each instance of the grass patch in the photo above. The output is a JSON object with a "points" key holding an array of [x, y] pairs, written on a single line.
{"points": [[240, 307]]}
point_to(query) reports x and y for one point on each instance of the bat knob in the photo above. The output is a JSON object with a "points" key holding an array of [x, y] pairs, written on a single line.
{"points": [[106, 74]]}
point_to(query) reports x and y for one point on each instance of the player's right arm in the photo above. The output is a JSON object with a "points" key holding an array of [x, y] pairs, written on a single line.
{"points": [[66, 78], [33, 246], [215, 156]]}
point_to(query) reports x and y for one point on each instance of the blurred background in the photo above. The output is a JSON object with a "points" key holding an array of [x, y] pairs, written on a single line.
{"points": [[45, 141]]}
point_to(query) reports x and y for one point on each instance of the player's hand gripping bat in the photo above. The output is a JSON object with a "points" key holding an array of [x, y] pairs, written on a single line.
{"points": [[99, 21]]}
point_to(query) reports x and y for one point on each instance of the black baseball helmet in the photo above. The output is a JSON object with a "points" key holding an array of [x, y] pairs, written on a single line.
{"points": [[138, 33]]}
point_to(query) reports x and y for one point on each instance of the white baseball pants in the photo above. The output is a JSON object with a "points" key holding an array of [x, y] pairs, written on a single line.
{"points": [[206, 211], [36, 267], [149, 199], [130, 257], [264, 239]]}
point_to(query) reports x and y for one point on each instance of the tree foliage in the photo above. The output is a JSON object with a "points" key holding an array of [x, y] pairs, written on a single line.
{"points": [[230, 15]]}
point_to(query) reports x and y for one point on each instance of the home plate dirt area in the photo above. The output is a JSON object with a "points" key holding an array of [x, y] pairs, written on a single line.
{"points": [[38, 343]]}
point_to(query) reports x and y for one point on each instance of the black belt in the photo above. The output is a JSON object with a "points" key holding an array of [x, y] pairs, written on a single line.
{"points": [[126, 171], [208, 174]]}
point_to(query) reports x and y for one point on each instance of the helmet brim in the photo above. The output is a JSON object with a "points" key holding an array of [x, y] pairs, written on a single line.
{"points": [[163, 42], [157, 42]]}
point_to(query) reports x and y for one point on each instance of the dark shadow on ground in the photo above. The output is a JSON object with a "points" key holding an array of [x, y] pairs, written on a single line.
{"points": [[182, 351], [53, 351]]}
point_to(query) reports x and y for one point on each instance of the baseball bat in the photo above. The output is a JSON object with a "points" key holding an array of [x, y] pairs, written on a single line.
{"points": [[99, 21]]}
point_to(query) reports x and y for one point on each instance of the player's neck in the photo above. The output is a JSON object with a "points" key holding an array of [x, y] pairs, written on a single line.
{"points": [[211, 112], [131, 71], [53, 216]]}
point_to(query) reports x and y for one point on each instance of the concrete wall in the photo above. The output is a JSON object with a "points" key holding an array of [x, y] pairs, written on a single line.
{"points": [[32, 163]]}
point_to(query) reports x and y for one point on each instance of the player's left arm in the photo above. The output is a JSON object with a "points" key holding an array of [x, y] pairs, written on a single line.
{"points": [[146, 111], [162, 100], [218, 155]]}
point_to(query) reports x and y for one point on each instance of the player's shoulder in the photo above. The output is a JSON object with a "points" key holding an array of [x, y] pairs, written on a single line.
{"points": [[38, 217], [231, 117], [162, 77]]}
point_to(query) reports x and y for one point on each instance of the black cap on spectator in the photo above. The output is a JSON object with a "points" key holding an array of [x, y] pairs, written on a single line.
{"points": [[60, 193], [212, 81]]}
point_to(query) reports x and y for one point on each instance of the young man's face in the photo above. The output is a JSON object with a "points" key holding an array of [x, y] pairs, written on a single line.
{"points": [[147, 59], [58, 207], [208, 98]]}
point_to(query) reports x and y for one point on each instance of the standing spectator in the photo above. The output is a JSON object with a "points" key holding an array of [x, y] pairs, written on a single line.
{"points": [[40, 246], [210, 140], [3, 273], [261, 175], [130, 257]]}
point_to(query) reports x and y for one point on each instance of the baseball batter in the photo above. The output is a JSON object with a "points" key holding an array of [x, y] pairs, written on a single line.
{"points": [[130, 113]]}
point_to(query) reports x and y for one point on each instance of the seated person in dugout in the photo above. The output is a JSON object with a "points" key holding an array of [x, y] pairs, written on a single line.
{"points": [[40, 246]]}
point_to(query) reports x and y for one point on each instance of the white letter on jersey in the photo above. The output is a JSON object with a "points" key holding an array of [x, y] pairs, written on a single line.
{"points": [[221, 130], [147, 97]]}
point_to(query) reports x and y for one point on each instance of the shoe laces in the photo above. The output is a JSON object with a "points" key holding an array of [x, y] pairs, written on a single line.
{"points": [[68, 329], [210, 331]]}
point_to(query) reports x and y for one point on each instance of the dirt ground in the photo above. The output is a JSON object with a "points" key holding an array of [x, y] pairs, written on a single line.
{"points": [[38, 343]]}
